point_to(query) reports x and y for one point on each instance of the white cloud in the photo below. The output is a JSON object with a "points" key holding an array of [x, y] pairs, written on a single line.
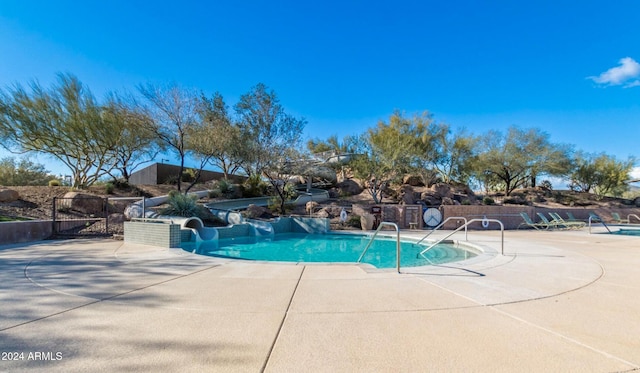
{"points": [[625, 74], [635, 173], [634, 83]]}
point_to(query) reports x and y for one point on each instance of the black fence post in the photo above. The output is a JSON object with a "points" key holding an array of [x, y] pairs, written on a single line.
{"points": [[105, 203], [53, 217]]}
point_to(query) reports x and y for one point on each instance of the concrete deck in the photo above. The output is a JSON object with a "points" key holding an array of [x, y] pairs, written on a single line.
{"points": [[555, 302]]}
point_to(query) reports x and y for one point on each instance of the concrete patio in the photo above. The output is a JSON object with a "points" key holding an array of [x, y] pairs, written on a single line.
{"points": [[555, 302]]}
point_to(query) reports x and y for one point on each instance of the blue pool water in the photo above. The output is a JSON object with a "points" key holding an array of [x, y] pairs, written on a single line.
{"points": [[628, 232], [334, 248]]}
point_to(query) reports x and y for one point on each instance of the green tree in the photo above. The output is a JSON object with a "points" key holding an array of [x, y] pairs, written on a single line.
{"points": [[23, 172], [392, 149], [64, 122], [512, 160], [333, 146], [290, 162], [373, 173], [174, 111], [546, 158], [601, 174], [423, 142], [266, 130], [503, 163], [456, 155], [137, 143], [217, 137]]}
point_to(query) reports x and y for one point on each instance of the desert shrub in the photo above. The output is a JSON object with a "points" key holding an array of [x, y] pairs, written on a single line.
{"points": [[189, 175], [353, 221], [274, 205], [546, 185], [254, 186], [518, 200], [466, 202], [109, 188], [224, 186], [171, 180], [181, 205], [55, 183], [488, 201]]}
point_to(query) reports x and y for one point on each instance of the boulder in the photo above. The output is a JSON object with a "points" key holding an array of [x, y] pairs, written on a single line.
{"points": [[118, 206], [366, 222], [322, 172], [349, 188], [9, 195], [133, 211], [311, 206], [413, 180], [442, 190], [116, 218], [81, 202], [322, 214], [334, 193], [297, 180], [333, 211], [407, 195], [448, 201], [254, 211], [431, 199], [463, 189]]}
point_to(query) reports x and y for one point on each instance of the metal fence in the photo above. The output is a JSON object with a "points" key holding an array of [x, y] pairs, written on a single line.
{"points": [[89, 216]]}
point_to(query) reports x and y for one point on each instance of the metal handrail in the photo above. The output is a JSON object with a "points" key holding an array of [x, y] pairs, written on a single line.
{"points": [[464, 226], [630, 215], [601, 221], [382, 224], [440, 226]]}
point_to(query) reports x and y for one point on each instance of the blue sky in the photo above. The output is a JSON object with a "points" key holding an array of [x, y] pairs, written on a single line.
{"points": [[566, 67]]}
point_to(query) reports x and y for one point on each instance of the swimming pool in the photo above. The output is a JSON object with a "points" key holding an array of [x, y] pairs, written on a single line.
{"points": [[332, 248], [628, 232]]}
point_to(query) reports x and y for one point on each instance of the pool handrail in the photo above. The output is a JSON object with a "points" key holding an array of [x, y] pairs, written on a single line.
{"points": [[442, 224], [634, 215], [483, 220], [596, 217], [382, 224]]}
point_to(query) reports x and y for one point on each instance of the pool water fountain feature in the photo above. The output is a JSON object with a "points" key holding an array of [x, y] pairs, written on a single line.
{"points": [[261, 228]]}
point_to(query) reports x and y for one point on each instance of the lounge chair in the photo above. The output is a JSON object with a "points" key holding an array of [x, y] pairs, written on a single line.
{"points": [[569, 224], [617, 219], [551, 224], [530, 223]]}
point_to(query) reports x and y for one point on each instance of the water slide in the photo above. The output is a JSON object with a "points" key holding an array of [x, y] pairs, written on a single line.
{"points": [[196, 226], [229, 210], [226, 210]]}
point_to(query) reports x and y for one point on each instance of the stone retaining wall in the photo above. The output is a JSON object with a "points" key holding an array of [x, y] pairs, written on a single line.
{"points": [[25, 231], [509, 215]]}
